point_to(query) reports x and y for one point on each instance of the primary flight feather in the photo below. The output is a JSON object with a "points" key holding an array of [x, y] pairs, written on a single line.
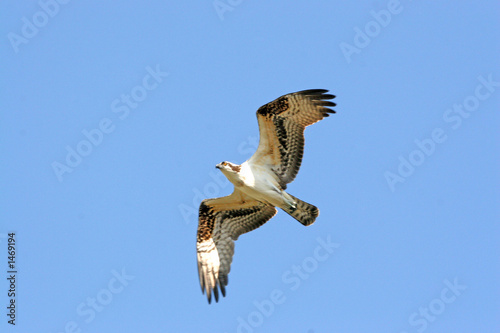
{"points": [[259, 185]]}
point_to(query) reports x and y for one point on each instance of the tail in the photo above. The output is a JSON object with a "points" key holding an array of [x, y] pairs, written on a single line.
{"points": [[302, 211]]}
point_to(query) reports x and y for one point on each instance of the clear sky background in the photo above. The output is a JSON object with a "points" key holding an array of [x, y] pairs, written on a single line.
{"points": [[405, 174]]}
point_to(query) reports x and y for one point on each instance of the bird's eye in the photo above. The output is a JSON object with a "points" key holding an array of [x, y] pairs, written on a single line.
{"points": [[224, 163]]}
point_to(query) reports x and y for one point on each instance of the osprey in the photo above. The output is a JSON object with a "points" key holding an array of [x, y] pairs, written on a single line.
{"points": [[259, 185]]}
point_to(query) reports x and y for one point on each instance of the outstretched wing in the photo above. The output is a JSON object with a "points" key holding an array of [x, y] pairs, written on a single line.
{"points": [[282, 123], [221, 222]]}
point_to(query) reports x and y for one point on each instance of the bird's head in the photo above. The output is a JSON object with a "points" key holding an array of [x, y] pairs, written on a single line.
{"points": [[228, 167]]}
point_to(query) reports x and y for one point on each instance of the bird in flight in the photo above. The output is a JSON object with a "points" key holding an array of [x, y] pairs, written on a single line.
{"points": [[259, 185]]}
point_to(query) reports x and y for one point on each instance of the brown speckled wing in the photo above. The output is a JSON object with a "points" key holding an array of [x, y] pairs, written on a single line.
{"points": [[282, 123], [221, 222]]}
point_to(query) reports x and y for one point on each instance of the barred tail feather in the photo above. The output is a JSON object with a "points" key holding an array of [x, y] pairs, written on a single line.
{"points": [[303, 212]]}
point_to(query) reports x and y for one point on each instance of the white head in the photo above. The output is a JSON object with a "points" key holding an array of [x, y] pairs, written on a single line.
{"points": [[228, 167]]}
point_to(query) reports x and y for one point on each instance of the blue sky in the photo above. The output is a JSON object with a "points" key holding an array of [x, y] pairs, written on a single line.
{"points": [[113, 116]]}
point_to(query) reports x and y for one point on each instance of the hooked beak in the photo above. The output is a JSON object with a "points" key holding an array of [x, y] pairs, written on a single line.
{"points": [[218, 166]]}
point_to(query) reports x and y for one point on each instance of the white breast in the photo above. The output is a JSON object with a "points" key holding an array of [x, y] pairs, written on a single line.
{"points": [[260, 183]]}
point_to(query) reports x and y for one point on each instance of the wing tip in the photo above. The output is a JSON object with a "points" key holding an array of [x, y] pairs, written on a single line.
{"points": [[280, 104], [220, 284], [322, 93], [321, 99], [312, 91]]}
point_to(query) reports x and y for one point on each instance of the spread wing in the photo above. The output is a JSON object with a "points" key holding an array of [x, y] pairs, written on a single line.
{"points": [[282, 123], [221, 222]]}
